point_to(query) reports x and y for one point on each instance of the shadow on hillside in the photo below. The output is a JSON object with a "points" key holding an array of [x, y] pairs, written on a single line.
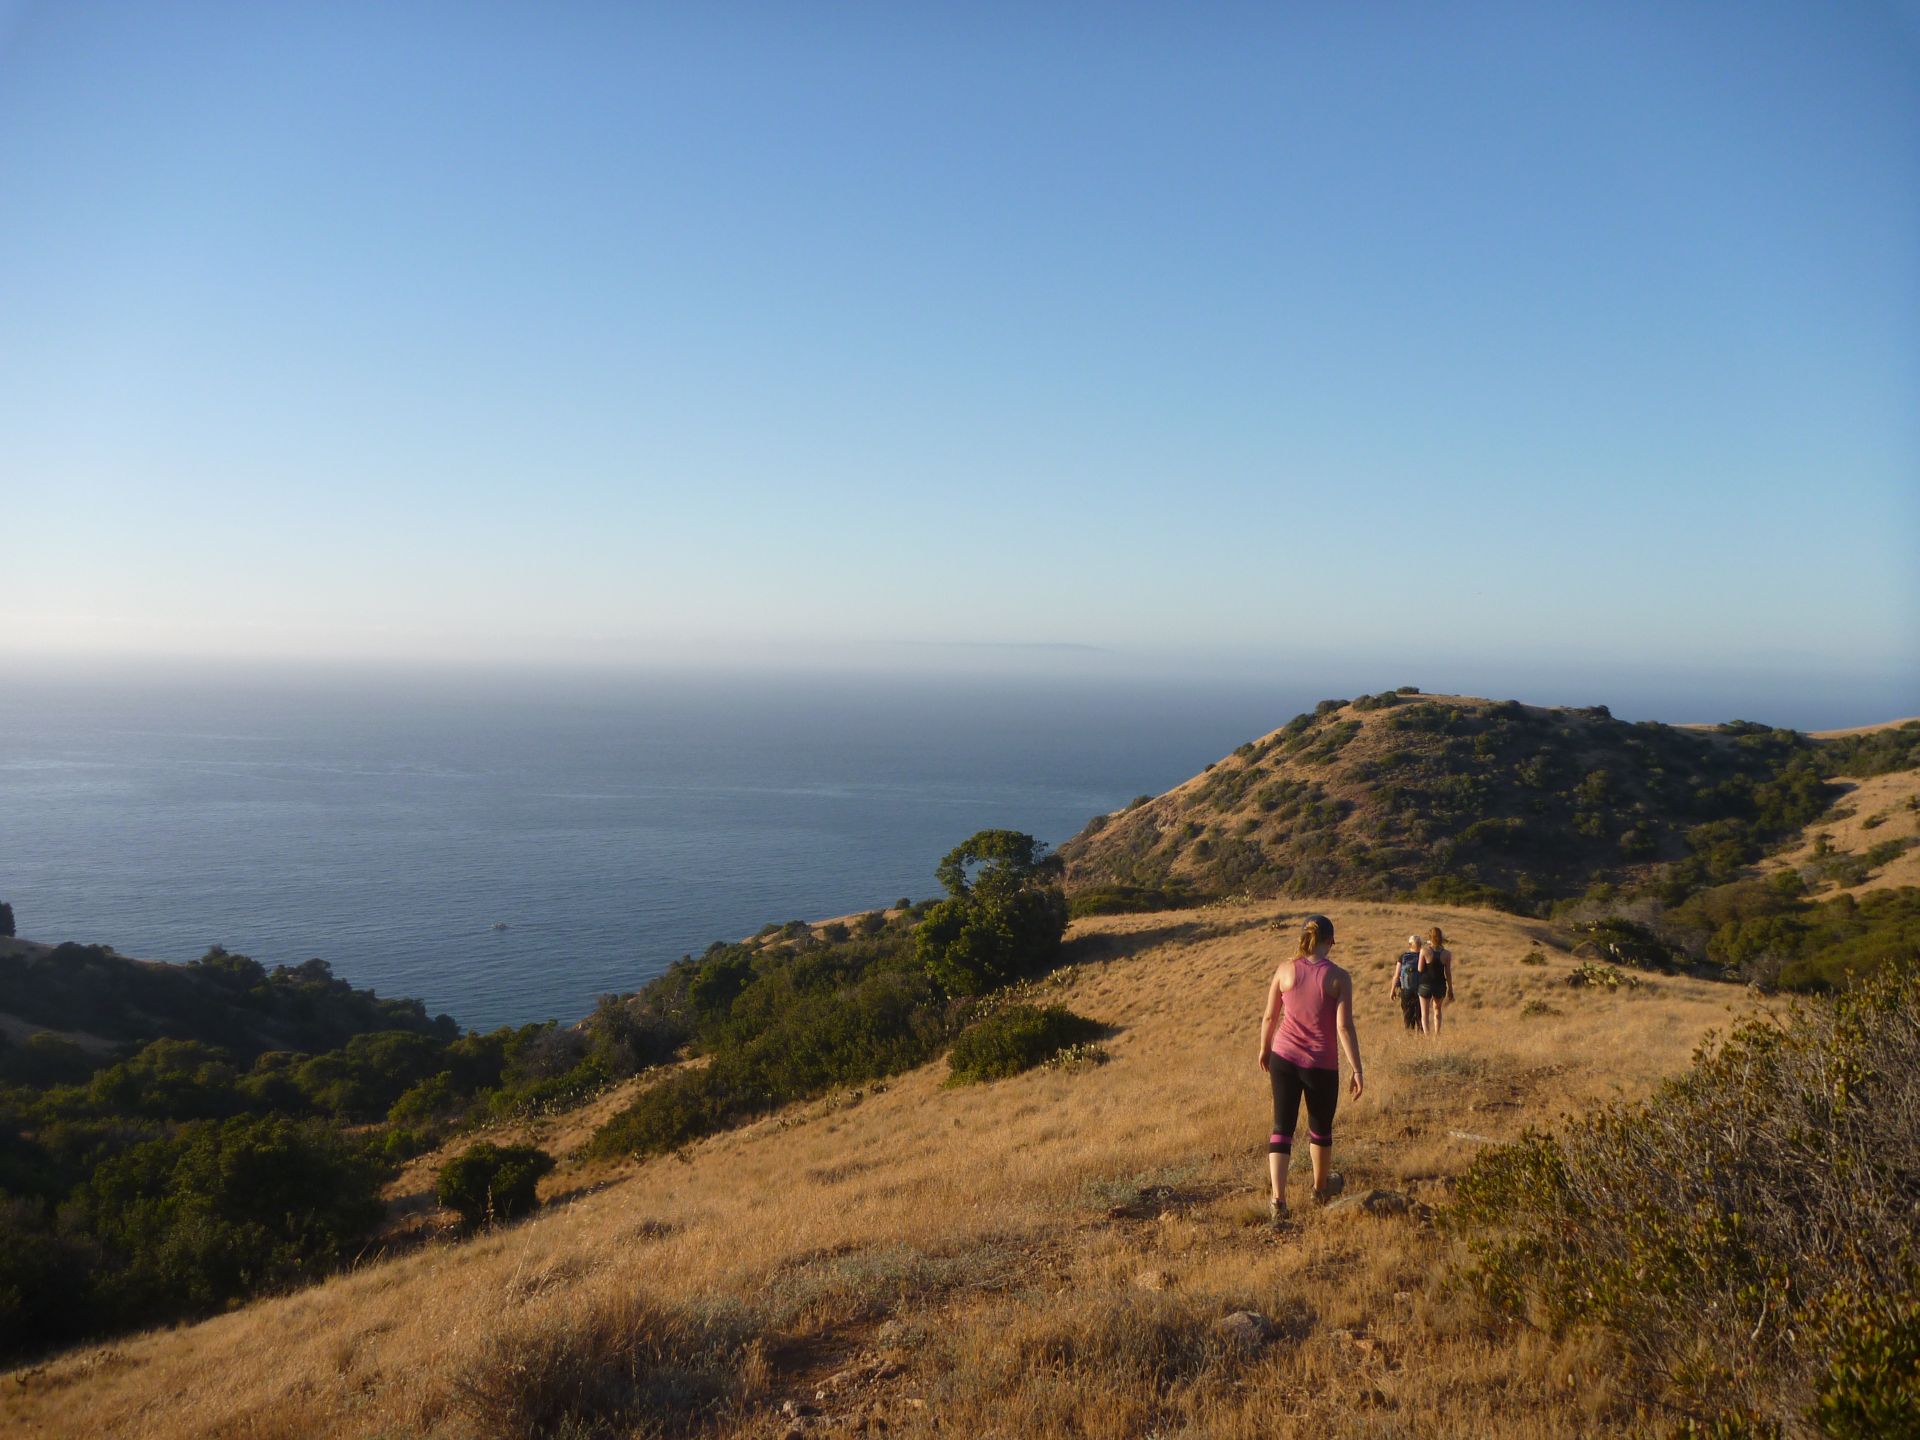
{"points": [[581, 1190], [1124, 946]]}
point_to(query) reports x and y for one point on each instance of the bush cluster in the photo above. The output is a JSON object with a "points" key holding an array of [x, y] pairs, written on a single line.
{"points": [[179, 1222], [783, 1023], [1130, 900], [1746, 1236], [1589, 976], [489, 1184], [1879, 752], [169, 1178], [1624, 942], [1016, 1038]]}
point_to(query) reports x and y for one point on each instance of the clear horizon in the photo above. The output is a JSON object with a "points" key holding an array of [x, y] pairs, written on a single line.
{"points": [[1094, 343]]}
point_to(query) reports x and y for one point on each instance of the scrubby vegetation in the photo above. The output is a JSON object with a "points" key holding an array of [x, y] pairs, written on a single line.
{"points": [[1003, 916], [487, 1184], [1469, 802], [221, 999], [147, 1178], [1768, 934], [1746, 1237], [1130, 900], [1016, 1038], [1878, 752], [1644, 838], [179, 1138], [777, 1023]]}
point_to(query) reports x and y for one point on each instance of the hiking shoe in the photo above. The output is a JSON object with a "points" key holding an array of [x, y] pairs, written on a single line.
{"points": [[1336, 1182], [1276, 1213]]}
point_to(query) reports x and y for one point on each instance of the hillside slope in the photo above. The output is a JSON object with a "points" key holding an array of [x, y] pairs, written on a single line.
{"points": [[1868, 841], [1462, 799], [1046, 1255]]}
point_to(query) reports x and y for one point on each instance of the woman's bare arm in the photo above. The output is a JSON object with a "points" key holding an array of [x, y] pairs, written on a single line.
{"points": [[1349, 1039], [1270, 1021]]}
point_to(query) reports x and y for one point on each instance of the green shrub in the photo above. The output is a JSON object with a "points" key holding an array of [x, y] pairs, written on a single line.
{"points": [[1878, 753], [1887, 850], [1385, 700], [1871, 1388], [1626, 942], [1746, 1235], [1589, 976], [219, 1210], [805, 1025], [433, 1101], [1004, 916], [1816, 947], [1130, 900], [1535, 956], [1016, 1038], [489, 1183]]}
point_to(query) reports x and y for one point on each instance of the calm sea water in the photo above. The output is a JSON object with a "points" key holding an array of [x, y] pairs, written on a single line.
{"points": [[611, 827]]}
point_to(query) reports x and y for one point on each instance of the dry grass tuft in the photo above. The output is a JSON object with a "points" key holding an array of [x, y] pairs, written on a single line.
{"points": [[619, 1364]]}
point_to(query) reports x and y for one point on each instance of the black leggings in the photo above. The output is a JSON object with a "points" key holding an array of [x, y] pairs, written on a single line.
{"points": [[1290, 1082]]}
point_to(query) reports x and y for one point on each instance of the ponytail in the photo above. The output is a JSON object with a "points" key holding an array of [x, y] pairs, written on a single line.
{"points": [[1317, 931]]}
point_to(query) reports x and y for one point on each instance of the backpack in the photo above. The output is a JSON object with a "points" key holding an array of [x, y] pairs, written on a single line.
{"points": [[1409, 969]]}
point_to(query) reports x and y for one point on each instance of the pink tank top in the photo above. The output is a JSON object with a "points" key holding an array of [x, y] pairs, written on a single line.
{"points": [[1306, 1031]]}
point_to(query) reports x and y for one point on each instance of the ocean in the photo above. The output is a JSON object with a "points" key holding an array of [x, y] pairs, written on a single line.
{"points": [[506, 849]]}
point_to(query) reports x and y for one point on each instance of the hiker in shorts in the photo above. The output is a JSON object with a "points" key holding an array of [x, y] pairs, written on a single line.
{"points": [[1435, 981], [1406, 982], [1308, 1025]]}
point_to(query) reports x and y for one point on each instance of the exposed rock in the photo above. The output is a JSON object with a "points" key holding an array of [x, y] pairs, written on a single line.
{"points": [[1373, 1202], [1152, 1280], [1244, 1330]]}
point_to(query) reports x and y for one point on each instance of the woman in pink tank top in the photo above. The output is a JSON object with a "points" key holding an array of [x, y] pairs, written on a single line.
{"points": [[1307, 1026]]}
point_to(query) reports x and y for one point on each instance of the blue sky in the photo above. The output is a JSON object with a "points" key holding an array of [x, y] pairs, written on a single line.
{"points": [[1201, 336]]}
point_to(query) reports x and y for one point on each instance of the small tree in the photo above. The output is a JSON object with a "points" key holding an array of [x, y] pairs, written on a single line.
{"points": [[492, 1182], [1003, 918], [6, 920]]}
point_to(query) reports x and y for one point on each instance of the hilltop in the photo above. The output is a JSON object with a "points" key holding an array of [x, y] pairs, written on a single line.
{"points": [[1456, 798]]}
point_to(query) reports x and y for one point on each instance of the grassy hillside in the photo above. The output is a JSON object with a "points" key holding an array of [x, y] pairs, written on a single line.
{"points": [[1046, 1255], [1468, 800], [772, 1200]]}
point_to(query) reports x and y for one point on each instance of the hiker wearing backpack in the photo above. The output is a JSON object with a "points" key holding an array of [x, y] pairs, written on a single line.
{"points": [[1406, 982]]}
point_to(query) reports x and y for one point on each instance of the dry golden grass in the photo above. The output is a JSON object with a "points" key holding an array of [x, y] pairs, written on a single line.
{"points": [[1042, 1256], [1872, 729]]}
